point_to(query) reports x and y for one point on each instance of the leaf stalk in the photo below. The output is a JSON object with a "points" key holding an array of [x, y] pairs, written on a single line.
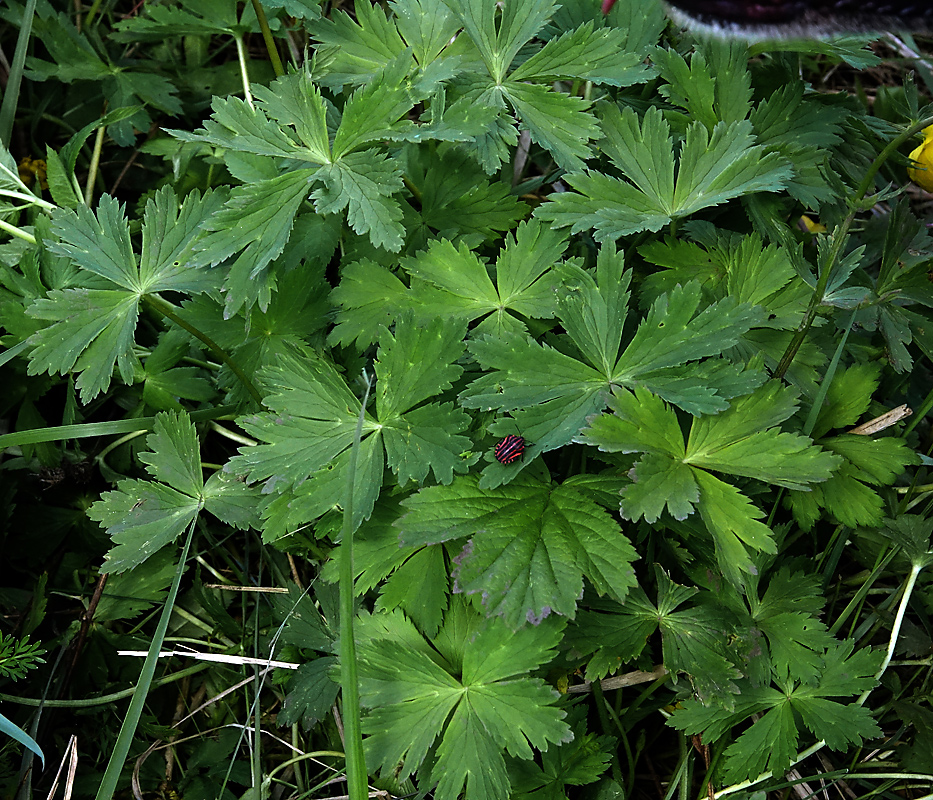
{"points": [[165, 309], [357, 777], [840, 236]]}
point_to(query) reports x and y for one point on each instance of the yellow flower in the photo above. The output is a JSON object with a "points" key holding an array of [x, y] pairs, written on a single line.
{"points": [[921, 172], [811, 226], [30, 169]]}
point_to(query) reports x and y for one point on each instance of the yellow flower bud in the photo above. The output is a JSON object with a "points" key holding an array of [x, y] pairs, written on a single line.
{"points": [[921, 172]]}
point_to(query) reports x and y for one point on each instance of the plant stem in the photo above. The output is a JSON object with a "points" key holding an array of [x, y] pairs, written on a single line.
{"points": [[357, 778], [19, 232], [244, 75], [892, 642], [29, 198], [840, 236], [915, 569], [267, 38], [95, 164], [159, 305]]}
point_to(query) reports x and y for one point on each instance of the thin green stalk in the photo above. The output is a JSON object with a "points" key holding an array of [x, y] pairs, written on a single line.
{"points": [[244, 75], [357, 777], [18, 232], [915, 570], [840, 236], [95, 164], [862, 592], [95, 7], [28, 197], [605, 712], [15, 78], [680, 774], [114, 428], [919, 415], [267, 38], [165, 309], [106, 699], [121, 749], [810, 423], [13, 351]]}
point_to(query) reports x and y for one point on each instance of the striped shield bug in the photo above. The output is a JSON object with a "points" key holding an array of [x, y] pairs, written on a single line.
{"points": [[510, 449]]}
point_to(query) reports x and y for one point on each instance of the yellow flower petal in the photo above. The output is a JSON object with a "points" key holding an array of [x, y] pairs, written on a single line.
{"points": [[811, 226], [921, 172]]}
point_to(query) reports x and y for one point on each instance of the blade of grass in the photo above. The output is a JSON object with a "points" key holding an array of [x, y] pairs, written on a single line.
{"points": [[86, 429], [11, 96], [121, 749]]}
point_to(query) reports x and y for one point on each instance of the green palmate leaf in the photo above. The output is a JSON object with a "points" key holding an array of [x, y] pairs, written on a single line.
{"points": [[531, 545], [238, 126], [413, 579], [357, 49], [376, 111], [555, 121], [312, 422], [369, 296], [691, 87], [309, 432], [461, 121], [93, 325], [744, 441], [420, 587], [866, 462], [599, 55], [458, 202], [740, 441], [474, 710], [289, 121], [189, 18], [74, 58], [786, 615], [311, 694], [729, 265], [560, 123], [771, 741], [363, 185], [912, 535], [499, 44], [452, 282], [714, 167], [848, 495], [575, 763], [550, 393], [802, 130], [695, 639], [715, 87], [263, 214], [918, 755], [427, 26], [303, 624], [143, 516], [130, 593], [298, 310]]}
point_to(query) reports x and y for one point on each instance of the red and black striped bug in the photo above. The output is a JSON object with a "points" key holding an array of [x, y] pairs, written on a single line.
{"points": [[510, 449]]}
